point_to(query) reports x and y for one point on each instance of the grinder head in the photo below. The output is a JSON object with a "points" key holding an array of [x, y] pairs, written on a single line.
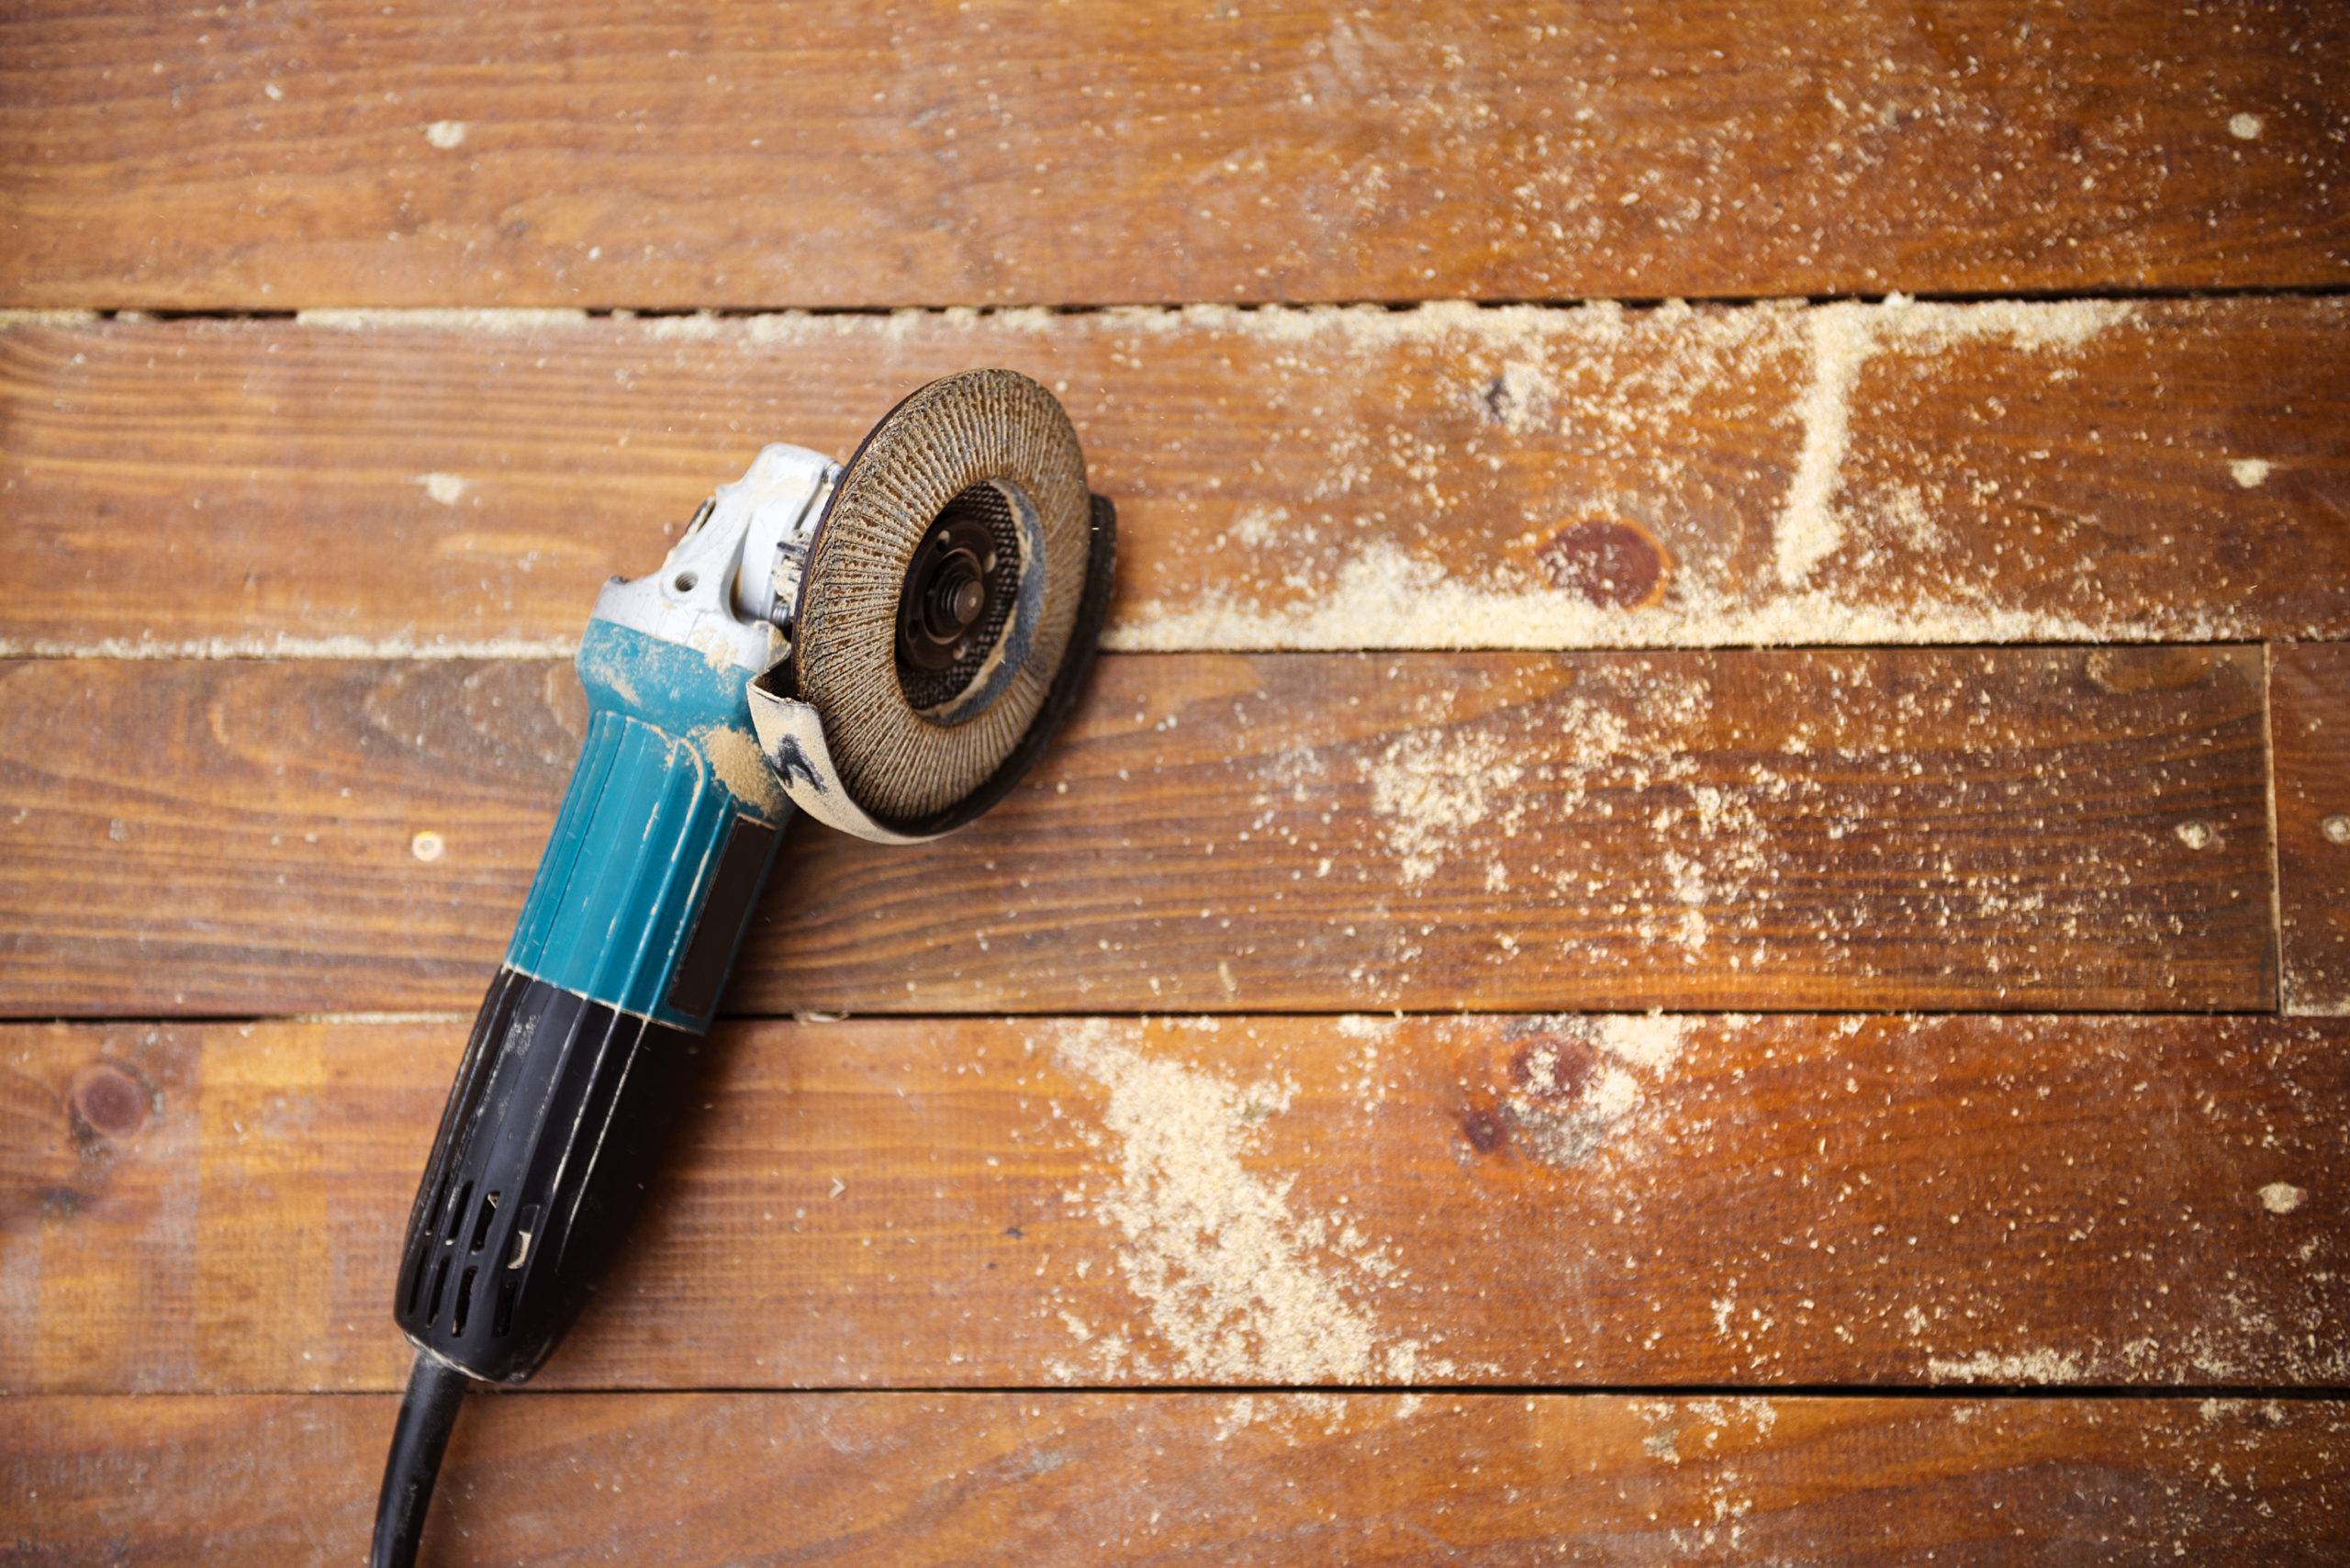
{"points": [[945, 609]]}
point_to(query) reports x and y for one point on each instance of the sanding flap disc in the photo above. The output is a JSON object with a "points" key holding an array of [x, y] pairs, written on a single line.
{"points": [[940, 588]]}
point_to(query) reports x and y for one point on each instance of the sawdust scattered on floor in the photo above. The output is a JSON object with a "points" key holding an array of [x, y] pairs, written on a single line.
{"points": [[1429, 788], [2028, 1366], [1587, 411], [277, 646], [505, 321], [1635, 1057], [1239, 1282], [1844, 337], [1511, 795]]}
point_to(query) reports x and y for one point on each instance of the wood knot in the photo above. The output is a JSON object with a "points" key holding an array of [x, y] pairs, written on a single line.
{"points": [[2129, 671], [1501, 401], [1614, 564], [110, 1100], [1484, 1129], [1549, 1095]]}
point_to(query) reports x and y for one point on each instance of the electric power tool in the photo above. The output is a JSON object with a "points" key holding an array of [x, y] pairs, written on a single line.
{"points": [[884, 644]]}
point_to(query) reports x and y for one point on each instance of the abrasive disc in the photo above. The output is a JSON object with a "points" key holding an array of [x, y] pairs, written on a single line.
{"points": [[940, 589]]}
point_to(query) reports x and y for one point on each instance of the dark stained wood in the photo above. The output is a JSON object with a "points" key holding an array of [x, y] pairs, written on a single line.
{"points": [[1087, 1479], [2309, 693], [1959, 828], [1515, 477], [847, 154], [1262, 1200]]}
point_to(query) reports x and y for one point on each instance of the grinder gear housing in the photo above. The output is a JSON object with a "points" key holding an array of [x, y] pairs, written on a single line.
{"points": [[884, 644], [959, 562]]}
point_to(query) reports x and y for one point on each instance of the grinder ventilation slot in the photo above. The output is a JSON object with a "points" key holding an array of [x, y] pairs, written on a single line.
{"points": [[884, 645]]}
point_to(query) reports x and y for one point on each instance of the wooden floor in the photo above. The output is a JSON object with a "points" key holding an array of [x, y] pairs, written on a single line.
{"points": [[1702, 910]]}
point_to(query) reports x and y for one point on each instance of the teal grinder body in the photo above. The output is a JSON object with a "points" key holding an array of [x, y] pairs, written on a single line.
{"points": [[590, 1035]]}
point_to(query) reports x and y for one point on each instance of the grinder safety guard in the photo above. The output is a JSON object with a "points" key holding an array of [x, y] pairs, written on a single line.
{"points": [[884, 645]]}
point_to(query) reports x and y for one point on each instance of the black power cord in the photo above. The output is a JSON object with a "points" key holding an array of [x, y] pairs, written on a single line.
{"points": [[428, 1413]]}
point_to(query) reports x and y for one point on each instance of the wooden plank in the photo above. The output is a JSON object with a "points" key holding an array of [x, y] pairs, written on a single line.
{"points": [[1129, 152], [1274, 1201], [2309, 691], [1962, 828], [1088, 1479], [430, 482]]}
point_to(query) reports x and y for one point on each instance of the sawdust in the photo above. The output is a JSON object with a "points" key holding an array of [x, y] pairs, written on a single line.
{"points": [[280, 645], [1238, 1281], [1633, 1056], [1844, 337], [1258, 526], [1427, 787], [1366, 560], [604, 668], [1439, 792], [492, 321], [1384, 598], [1808, 529], [2030, 1366], [446, 489], [735, 758], [1450, 790], [2282, 1197], [1653, 1043]]}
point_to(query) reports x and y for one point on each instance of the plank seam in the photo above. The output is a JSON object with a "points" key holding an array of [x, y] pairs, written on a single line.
{"points": [[2275, 852], [1950, 1392], [1889, 1015], [362, 316], [285, 648]]}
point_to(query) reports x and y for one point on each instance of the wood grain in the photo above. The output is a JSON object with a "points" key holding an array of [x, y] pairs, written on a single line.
{"points": [[910, 1479], [1847, 829], [2308, 689], [951, 155], [1271, 1202], [2076, 472], [1096, 1287]]}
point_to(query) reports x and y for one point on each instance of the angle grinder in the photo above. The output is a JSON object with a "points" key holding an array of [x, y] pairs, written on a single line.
{"points": [[884, 645]]}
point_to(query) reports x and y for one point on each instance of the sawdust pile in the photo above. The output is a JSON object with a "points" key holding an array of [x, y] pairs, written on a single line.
{"points": [[1238, 1282], [1843, 337], [1429, 788], [1456, 786]]}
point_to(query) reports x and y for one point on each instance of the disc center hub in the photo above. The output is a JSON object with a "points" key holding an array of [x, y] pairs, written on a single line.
{"points": [[946, 592]]}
